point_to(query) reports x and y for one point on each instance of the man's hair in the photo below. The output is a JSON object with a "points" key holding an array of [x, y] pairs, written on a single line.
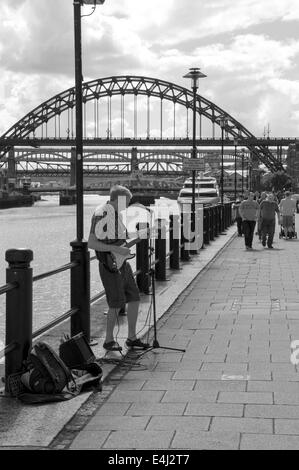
{"points": [[118, 190], [287, 193]]}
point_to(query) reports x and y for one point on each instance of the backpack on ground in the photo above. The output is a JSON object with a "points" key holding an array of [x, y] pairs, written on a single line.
{"points": [[46, 372], [48, 379]]}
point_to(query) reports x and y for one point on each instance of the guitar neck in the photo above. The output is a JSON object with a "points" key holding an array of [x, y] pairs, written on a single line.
{"points": [[132, 242]]}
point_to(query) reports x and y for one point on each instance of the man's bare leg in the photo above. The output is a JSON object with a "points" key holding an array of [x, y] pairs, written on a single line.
{"points": [[110, 323], [132, 314]]}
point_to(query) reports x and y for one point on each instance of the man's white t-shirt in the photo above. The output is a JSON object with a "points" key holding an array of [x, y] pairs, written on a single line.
{"points": [[287, 206]]}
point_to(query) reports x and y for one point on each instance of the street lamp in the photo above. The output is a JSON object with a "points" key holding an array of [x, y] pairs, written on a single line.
{"points": [[243, 150], [250, 176], [80, 277], [194, 74], [222, 120], [79, 128], [236, 144]]}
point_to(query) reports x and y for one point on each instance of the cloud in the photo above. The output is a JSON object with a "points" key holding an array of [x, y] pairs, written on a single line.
{"points": [[251, 73]]}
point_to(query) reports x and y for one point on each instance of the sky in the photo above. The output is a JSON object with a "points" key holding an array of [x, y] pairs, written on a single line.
{"points": [[249, 50]]}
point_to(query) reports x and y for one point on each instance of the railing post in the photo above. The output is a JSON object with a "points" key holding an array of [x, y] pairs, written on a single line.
{"points": [[222, 218], [206, 225], [216, 220], [230, 214], [185, 228], [195, 236], [160, 251], [227, 206], [174, 241], [18, 309], [80, 289], [211, 222], [143, 278]]}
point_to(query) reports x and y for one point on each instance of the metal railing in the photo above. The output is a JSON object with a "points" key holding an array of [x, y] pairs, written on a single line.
{"points": [[19, 278]]}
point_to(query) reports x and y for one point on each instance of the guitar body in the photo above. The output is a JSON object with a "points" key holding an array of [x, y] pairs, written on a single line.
{"points": [[114, 261]]}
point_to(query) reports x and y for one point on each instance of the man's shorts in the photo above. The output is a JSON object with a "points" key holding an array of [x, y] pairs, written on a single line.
{"points": [[287, 220], [120, 287]]}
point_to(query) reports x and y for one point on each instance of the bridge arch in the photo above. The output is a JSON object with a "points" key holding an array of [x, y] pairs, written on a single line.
{"points": [[135, 85]]}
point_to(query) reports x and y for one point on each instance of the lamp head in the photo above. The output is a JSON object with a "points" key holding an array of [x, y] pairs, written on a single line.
{"points": [[92, 2], [194, 73]]}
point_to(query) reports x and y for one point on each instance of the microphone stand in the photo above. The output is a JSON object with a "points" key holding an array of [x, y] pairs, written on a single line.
{"points": [[151, 272], [156, 344]]}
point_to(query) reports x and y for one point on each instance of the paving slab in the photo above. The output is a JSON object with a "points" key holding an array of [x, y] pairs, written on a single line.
{"points": [[233, 388], [26, 428]]}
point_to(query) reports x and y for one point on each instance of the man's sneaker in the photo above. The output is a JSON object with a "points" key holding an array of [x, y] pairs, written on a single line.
{"points": [[112, 346], [136, 344], [263, 243], [271, 247]]}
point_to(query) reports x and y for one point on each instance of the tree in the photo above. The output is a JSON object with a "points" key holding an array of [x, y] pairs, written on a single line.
{"points": [[277, 181]]}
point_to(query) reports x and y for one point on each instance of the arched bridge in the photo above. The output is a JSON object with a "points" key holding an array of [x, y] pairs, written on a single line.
{"points": [[141, 103]]}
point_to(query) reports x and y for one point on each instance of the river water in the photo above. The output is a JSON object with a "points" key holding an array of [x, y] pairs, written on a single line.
{"points": [[47, 229]]}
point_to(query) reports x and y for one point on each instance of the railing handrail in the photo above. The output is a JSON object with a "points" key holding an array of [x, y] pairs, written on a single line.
{"points": [[59, 270], [14, 285], [7, 287]]}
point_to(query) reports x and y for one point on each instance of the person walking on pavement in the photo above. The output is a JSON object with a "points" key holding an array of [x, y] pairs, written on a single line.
{"points": [[249, 210], [237, 216], [287, 209], [268, 208], [259, 231]]}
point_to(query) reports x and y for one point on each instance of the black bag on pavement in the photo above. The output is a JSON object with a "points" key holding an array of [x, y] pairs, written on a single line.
{"points": [[76, 352]]}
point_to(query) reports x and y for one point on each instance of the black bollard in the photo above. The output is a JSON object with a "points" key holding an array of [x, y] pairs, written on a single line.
{"points": [[18, 309], [185, 230], [174, 241], [211, 223], [143, 277], [80, 289], [160, 251]]}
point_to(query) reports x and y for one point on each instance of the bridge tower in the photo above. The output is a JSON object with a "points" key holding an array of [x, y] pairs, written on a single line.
{"points": [[134, 160], [11, 164]]}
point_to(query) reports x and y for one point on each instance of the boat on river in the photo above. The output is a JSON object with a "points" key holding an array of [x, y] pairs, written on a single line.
{"points": [[15, 199], [206, 191]]}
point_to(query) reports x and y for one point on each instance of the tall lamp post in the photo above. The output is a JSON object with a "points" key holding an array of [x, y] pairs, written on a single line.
{"points": [[250, 176], [236, 144], [222, 120], [80, 275], [247, 174], [79, 127], [194, 74], [243, 150]]}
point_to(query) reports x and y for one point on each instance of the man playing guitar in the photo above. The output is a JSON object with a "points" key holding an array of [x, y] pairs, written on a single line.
{"points": [[107, 237]]}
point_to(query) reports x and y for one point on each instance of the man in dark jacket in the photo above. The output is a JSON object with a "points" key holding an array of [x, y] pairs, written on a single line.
{"points": [[249, 210], [237, 216], [268, 208]]}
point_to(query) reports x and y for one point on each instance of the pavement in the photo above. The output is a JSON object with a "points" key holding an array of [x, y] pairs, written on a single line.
{"points": [[236, 385], [23, 426]]}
